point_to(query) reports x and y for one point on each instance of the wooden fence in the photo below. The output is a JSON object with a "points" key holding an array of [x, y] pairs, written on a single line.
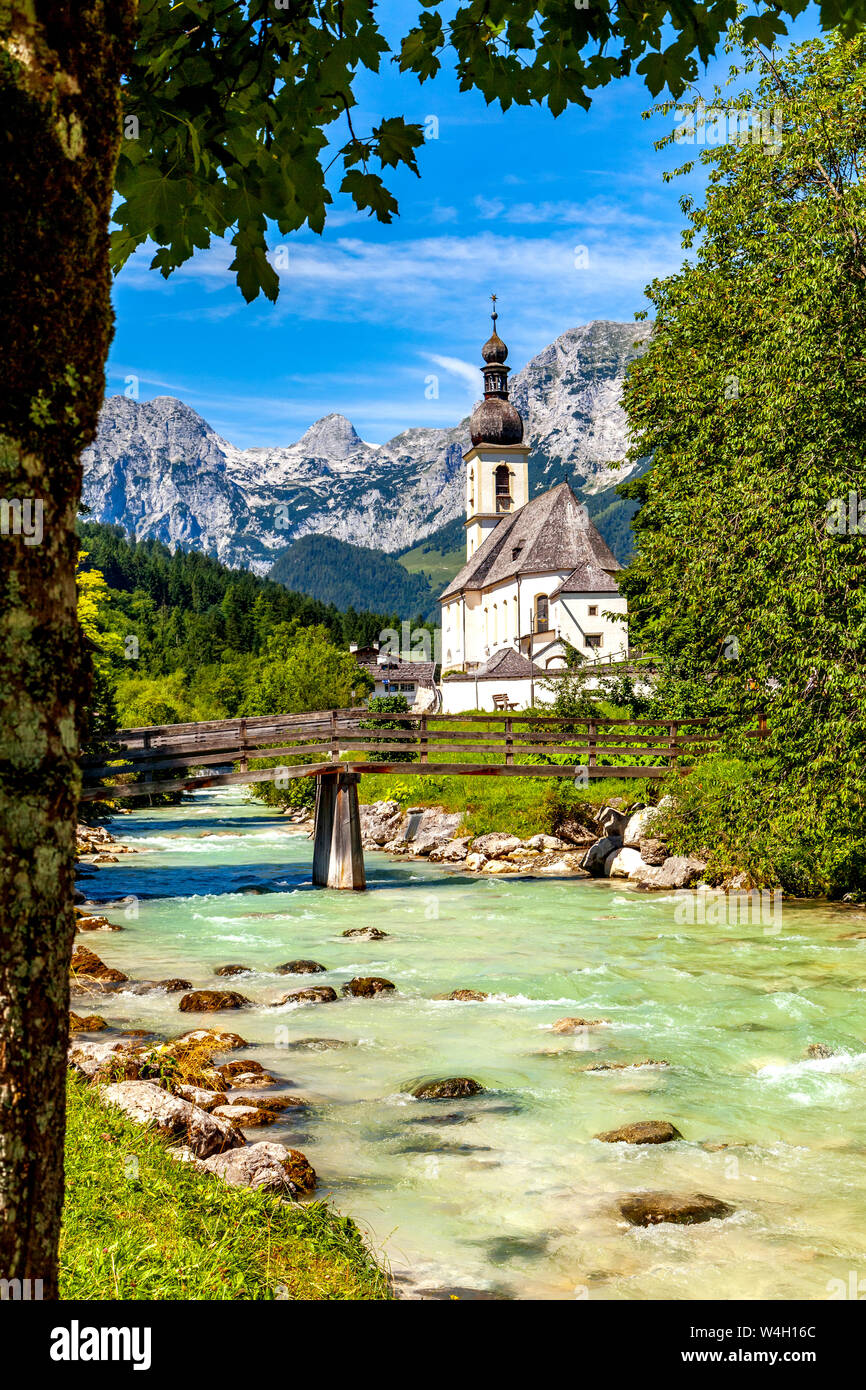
{"points": [[356, 740]]}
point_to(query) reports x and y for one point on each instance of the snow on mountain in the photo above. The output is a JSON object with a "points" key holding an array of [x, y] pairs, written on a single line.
{"points": [[159, 469]]}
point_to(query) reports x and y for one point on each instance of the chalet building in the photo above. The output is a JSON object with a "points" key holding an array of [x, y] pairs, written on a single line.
{"points": [[538, 576], [391, 676]]}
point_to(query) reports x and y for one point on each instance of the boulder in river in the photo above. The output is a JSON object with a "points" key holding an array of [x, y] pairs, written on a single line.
{"points": [[453, 852], [245, 1116], [626, 1066], [571, 1025], [448, 1088], [819, 1052], [318, 994], [639, 826], [678, 871], [366, 934], [174, 986], [87, 923], [653, 852], [207, 1001], [621, 863], [85, 965], [464, 996], [274, 1103], [596, 856], [240, 1067], [641, 1132], [89, 1023], [217, 1039], [366, 986], [318, 1044], [271, 1167], [300, 967], [234, 970], [651, 1208], [150, 1105]]}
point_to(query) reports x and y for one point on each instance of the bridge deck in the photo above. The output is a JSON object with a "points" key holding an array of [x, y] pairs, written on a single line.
{"points": [[218, 752]]}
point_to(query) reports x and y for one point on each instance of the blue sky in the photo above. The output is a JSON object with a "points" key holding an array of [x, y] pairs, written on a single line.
{"points": [[566, 220]]}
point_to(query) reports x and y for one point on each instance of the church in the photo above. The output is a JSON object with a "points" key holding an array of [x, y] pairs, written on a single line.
{"points": [[538, 577]]}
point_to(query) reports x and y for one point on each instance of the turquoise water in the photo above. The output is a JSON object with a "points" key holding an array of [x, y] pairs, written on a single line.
{"points": [[509, 1194]]}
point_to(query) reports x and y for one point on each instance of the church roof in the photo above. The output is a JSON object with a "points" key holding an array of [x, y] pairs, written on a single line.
{"points": [[552, 532], [504, 665]]}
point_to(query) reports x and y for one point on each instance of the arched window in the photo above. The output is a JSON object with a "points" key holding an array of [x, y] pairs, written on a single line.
{"points": [[472, 489], [503, 488], [495, 625], [542, 613]]}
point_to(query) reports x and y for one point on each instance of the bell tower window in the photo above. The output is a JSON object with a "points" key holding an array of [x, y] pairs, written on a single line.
{"points": [[504, 500], [542, 613]]}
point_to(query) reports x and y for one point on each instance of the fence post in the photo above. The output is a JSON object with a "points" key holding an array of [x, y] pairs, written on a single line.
{"points": [[591, 739], [145, 743], [509, 743], [673, 727], [242, 732], [334, 755], [422, 739]]}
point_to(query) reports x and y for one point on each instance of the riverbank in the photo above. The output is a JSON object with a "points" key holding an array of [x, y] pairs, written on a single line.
{"points": [[139, 1225], [618, 840]]}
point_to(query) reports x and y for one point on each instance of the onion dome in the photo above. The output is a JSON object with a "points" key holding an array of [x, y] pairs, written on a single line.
{"points": [[495, 420]]}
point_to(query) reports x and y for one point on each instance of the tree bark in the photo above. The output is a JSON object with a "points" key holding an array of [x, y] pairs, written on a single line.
{"points": [[60, 67]]}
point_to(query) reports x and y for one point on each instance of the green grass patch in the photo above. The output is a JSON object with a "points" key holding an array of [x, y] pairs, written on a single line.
{"points": [[137, 1224]]}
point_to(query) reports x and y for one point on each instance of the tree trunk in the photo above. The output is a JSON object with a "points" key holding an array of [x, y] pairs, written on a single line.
{"points": [[60, 66]]}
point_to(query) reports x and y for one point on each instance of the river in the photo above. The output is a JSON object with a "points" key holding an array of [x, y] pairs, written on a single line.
{"points": [[508, 1194]]}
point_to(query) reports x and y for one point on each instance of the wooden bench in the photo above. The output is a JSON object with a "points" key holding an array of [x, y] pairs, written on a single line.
{"points": [[503, 702]]}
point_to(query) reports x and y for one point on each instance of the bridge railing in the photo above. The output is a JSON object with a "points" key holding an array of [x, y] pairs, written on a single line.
{"points": [[218, 752]]}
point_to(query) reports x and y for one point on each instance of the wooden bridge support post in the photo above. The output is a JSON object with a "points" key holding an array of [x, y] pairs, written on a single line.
{"points": [[338, 858]]}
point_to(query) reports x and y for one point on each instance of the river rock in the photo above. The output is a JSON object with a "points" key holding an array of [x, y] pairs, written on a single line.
{"points": [[365, 986], [173, 986], [254, 1078], [496, 845], [207, 1001], [380, 821], [89, 1023], [560, 863], [300, 967], [639, 826], [245, 1116], [641, 1132], [651, 1208], [545, 843], [475, 863], [436, 828], [464, 996], [679, 871], [653, 852], [595, 857], [819, 1052], [499, 866], [611, 821], [318, 994], [269, 1167], [240, 1067], [620, 863], [85, 923], [317, 1044], [88, 1057], [234, 970], [217, 1038], [85, 965], [276, 1104], [571, 1025], [201, 1096], [448, 1088], [366, 934], [627, 1066], [453, 852], [150, 1105]]}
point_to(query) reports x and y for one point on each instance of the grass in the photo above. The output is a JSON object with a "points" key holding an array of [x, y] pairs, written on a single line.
{"points": [[521, 806], [137, 1224]]}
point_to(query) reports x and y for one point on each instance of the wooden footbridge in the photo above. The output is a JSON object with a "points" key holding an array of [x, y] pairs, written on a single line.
{"points": [[336, 746]]}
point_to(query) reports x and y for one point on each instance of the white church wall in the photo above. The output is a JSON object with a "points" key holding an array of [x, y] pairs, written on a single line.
{"points": [[576, 622]]}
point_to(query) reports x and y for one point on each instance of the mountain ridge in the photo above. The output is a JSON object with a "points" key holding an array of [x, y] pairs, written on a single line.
{"points": [[160, 469]]}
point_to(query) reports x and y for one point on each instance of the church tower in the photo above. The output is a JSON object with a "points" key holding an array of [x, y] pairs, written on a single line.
{"points": [[497, 474]]}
